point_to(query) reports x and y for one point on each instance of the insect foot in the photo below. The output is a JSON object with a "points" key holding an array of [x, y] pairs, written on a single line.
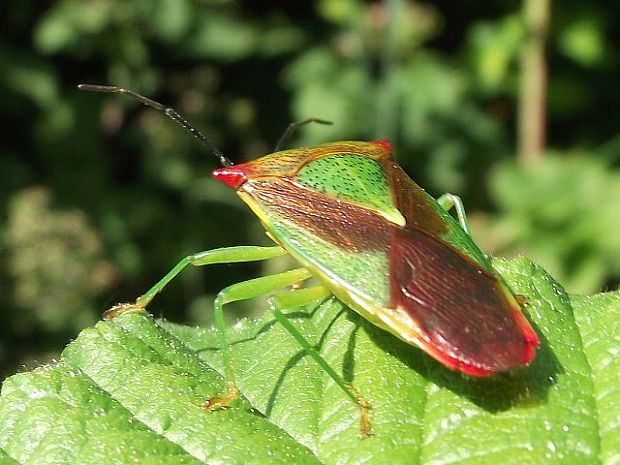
{"points": [[365, 428], [223, 401], [119, 309]]}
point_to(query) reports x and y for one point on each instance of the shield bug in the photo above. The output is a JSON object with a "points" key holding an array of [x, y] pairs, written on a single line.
{"points": [[352, 218]]}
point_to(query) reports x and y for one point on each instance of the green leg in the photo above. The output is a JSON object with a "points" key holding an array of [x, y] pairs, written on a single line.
{"points": [[224, 255], [210, 257], [298, 298], [448, 201], [244, 291]]}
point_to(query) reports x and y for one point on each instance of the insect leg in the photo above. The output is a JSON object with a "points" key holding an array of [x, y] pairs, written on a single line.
{"points": [[448, 201], [248, 253], [298, 298], [244, 291]]}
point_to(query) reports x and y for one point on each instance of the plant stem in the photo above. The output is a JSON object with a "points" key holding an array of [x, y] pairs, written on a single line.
{"points": [[387, 108], [532, 101]]}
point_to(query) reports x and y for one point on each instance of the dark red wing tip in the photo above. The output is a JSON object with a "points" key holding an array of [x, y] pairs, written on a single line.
{"points": [[521, 353], [384, 144], [519, 358], [531, 343], [530, 338], [529, 352], [482, 372], [231, 176], [473, 370]]}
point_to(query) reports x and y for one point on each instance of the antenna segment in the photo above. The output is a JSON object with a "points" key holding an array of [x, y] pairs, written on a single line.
{"points": [[170, 112]]}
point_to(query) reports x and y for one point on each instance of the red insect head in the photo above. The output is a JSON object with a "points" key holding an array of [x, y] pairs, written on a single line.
{"points": [[233, 176]]}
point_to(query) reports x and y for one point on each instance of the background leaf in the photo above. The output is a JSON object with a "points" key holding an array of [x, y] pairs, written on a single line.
{"points": [[131, 390]]}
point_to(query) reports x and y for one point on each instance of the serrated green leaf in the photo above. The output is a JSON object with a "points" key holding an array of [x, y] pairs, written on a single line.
{"points": [[598, 319], [130, 390]]}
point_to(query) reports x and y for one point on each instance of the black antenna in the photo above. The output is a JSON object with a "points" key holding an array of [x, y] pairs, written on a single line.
{"points": [[171, 113], [293, 127]]}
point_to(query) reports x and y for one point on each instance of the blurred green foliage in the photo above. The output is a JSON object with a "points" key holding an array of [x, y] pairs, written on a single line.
{"points": [[102, 196], [566, 220], [56, 262]]}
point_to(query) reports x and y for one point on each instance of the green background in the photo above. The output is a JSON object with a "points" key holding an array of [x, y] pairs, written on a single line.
{"points": [[101, 196]]}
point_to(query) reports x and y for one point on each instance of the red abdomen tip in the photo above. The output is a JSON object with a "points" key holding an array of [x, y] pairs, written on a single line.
{"points": [[231, 176], [384, 144]]}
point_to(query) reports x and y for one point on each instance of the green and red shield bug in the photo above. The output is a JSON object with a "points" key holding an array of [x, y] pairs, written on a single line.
{"points": [[352, 218]]}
